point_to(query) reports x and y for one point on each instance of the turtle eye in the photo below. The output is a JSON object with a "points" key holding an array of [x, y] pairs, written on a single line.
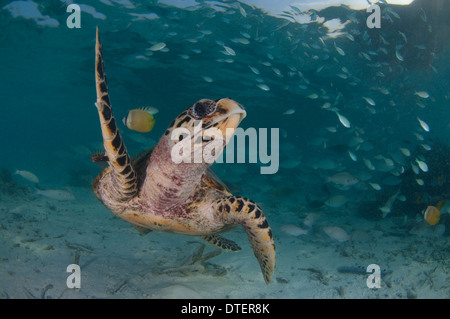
{"points": [[203, 108]]}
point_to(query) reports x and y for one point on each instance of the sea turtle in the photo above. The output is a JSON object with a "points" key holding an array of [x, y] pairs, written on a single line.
{"points": [[153, 192]]}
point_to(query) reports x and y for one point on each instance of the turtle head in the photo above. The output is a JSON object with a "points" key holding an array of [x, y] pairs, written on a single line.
{"points": [[222, 114], [207, 125], [191, 144]]}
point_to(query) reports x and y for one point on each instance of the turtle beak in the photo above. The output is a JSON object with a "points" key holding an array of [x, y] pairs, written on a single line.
{"points": [[229, 114]]}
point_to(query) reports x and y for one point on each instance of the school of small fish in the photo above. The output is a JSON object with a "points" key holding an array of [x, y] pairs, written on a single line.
{"points": [[376, 159]]}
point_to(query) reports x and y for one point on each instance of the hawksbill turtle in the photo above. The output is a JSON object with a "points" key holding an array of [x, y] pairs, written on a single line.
{"points": [[153, 192]]}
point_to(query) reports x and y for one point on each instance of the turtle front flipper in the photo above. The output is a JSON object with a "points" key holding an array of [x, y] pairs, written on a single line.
{"points": [[125, 181], [239, 210]]}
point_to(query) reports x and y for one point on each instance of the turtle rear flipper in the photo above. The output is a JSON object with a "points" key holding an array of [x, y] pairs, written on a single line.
{"points": [[141, 230], [221, 242], [239, 210], [125, 181]]}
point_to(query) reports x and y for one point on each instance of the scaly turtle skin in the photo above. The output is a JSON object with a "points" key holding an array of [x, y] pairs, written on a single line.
{"points": [[153, 192]]}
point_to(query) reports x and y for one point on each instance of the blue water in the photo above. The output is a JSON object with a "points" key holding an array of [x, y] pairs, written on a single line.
{"points": [[49, 126]]}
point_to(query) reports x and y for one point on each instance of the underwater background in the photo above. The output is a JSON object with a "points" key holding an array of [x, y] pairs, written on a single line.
{"points": [[364, 145]]}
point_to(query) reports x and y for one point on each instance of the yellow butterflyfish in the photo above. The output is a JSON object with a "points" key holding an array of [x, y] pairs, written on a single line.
{"points": [[141, 119], [432, 215]]}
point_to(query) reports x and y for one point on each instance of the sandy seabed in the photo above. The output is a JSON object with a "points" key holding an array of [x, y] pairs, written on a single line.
{"points": [[41, 237]]}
